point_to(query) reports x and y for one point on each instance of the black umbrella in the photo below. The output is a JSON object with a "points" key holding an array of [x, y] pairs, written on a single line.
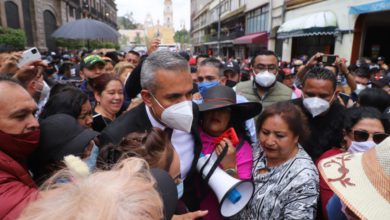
{"points": [[86, 29]]}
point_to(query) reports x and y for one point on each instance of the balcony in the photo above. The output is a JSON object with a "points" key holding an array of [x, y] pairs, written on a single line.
{"points": [[77, 2], [224, 36], [300, 3]]}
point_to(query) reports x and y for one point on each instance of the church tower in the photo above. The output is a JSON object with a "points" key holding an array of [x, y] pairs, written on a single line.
{"points": [[168, 15]]}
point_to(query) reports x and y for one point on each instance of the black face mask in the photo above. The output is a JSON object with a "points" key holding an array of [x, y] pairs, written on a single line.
{"points": [[231, 83]]}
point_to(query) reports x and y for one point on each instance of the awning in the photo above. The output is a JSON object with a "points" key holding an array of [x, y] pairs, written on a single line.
{"points": [[320, 23], [256, 38], [370, 7]]}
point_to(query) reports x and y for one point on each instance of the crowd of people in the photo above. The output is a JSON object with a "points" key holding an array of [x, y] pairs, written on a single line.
{"points": [[118, 136]]}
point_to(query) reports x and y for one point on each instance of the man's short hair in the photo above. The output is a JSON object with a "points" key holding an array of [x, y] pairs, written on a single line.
{"points": [[134, 53], [264, 53], [213, 62], [201, 56], [320, 73], [162, 59], [362, 72], [8, 79]]}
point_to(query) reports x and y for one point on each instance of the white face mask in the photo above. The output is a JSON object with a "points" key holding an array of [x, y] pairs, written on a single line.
{"points": [[178, 116], [265, 78], [359, 88], [180, 190], [45, 92], [361, 146], [315, 105]]}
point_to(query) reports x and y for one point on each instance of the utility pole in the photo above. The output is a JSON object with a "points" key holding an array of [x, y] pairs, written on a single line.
{"points": [[219, 28]]}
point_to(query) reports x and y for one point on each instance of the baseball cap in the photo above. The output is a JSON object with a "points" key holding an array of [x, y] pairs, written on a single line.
{"points": [[91, 60]]}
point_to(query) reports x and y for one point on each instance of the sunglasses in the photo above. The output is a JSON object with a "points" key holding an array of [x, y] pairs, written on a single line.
{"points": [[360, 136]]}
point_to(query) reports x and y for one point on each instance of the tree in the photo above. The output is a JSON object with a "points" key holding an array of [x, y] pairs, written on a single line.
{"points": [[127, 21], [12, 39], [182, 36]]}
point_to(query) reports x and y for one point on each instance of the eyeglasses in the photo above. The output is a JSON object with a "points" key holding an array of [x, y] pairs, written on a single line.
{"points": [[361, 135], [263, 67]]}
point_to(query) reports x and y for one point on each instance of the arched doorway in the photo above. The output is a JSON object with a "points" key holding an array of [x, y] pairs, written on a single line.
{"points": [[12, 14], [50, 26], [370, 36]]}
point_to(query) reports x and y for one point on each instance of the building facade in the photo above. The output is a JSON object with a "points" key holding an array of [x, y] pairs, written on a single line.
{"points": [[229, 28], [350, 29], [40, 18]]}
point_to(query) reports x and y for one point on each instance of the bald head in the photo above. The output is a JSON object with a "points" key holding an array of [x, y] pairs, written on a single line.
{"points": [[17, 108]]}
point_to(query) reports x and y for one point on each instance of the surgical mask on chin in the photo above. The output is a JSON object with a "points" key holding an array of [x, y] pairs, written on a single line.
{"points": [[91, 160], [265, 79], [359, 88], [231, 83], [180, 190], [315, 105], [204, 86], [45, 92], [361, 146], [178, 116]]}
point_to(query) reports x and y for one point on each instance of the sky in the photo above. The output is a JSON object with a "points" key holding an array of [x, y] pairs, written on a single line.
{"points": [[140, 8]]}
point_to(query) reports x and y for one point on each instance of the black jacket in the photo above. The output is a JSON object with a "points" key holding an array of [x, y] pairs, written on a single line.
{"points": [[326, 131], [137, 120]]}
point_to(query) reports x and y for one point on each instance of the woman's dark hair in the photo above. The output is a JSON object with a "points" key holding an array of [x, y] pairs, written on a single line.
{"points": [[374, 97], [99, 83], [353, 115], [65, 68], [153, 146], [238, 125], [61, 87], [68, 102], [291, 114]]}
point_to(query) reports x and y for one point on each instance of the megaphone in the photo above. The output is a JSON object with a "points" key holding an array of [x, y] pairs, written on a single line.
{"points": [[233, 194]]}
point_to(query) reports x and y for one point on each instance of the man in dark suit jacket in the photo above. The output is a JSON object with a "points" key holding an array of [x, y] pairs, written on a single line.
{"points": [[167, 93]]}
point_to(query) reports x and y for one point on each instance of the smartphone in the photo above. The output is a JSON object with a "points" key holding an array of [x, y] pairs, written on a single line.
{"points": [[229, 134], [344, 97], [29, 55], [327, 59]]}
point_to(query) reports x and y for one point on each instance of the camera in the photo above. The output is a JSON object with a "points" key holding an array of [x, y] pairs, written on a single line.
{"points": [[327, 59]]}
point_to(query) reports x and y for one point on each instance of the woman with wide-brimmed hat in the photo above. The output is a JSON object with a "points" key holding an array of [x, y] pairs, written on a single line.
{"points": [[220, 112]]}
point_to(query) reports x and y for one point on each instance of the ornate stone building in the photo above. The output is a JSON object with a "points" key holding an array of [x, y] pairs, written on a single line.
{"points": [[165, 31], [40, 18]]}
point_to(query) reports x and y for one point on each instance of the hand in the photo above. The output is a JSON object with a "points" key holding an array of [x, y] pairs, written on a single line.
{"points": [[134, 103], [197, 96], [153, 45], [341, 65], [36, 64], [229, 161], [190, 215], [314, 59], [9, 62]]}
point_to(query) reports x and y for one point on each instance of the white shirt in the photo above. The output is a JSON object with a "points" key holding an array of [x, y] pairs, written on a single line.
{"points": [[183, 143]]}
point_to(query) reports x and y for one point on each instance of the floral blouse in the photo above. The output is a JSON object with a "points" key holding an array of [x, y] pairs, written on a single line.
{"points": [[289, 191]]}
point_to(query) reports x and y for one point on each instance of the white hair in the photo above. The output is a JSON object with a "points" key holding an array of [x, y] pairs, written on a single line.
{"points": [[162, 59], [126, 192]]}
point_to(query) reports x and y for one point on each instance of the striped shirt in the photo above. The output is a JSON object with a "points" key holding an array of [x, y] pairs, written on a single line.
{"points": [[288, 191]]}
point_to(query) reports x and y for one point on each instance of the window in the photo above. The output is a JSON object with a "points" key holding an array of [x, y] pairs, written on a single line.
{"points": [[12, 14], [257, 20], [71, 12]]}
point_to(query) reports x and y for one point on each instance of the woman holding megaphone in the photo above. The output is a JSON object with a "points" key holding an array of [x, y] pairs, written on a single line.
{"points": [[286, 179], [222, 130]]}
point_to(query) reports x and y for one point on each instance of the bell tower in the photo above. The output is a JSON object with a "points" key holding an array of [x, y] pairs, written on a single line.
{"points": [[168, 15]]}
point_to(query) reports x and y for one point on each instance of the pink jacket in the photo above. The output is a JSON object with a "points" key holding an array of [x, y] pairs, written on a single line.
{"points": [[17, 188], [244, 160]]}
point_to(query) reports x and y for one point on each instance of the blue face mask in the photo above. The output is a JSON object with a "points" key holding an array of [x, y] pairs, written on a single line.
{"points": [[180, 189], [204, 86], [91, 160]]}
